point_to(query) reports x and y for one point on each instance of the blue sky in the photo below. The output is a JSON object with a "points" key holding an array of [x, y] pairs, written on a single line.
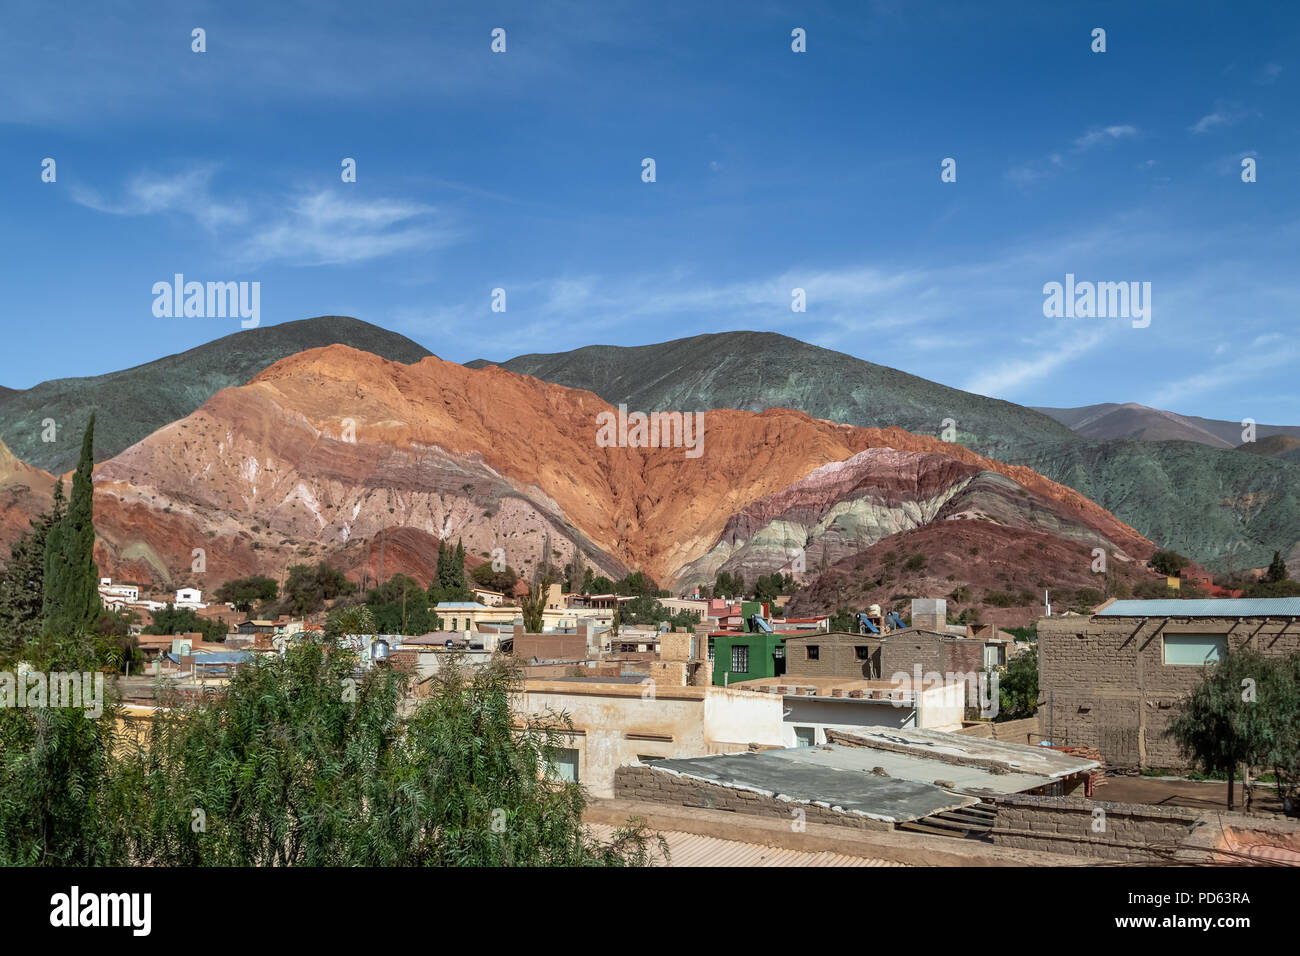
{"points": [[775, 170]]}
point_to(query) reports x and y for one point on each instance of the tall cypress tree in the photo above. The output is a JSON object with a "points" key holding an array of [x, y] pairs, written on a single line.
{"points": [[71, 604]]}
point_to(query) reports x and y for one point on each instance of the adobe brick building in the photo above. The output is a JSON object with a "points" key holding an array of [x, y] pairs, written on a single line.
{"points": [[938, 652], [871, 657], [1110, 680], [833, 654]]}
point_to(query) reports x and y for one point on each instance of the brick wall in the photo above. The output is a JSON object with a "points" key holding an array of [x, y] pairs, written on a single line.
{"points": [[1103, 682], [1069, 825], [836, 656], [901, 651], [1023, 731], [653, 786], [404, 659], [550, 647]]}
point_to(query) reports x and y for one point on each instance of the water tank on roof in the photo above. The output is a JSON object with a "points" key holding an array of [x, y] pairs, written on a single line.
{"points": [[873, 611]]}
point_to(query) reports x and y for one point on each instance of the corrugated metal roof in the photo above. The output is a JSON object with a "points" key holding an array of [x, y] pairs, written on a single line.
{"points": [[1223, 607], [691, 849]]}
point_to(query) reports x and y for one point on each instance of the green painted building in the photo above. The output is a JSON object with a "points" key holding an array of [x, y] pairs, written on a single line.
{"points": [[738, 656]]}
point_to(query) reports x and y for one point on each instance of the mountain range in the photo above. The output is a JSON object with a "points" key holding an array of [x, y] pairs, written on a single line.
{"points": [[1223, 508], [1133, 421], [332, 449], [348, 443]]}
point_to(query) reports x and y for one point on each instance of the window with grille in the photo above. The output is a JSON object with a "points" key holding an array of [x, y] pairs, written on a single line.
{"points": [[740, 659]]}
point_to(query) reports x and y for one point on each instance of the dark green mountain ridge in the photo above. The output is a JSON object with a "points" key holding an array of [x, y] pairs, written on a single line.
{"points": [[135, 402]]}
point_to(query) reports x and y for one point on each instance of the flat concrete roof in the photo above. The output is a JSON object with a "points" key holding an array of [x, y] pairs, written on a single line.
{"points": [[959, 749], [834, 776]]}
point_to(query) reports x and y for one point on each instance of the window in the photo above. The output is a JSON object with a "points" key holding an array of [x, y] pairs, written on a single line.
{"points": [[564, 764], [805, 736], [710, 648], [740, 658], [863, 653], [1195, 649], [814, 652]]}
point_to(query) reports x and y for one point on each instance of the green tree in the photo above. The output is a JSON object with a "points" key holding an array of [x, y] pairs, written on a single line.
{"points": [[636, 584], [243, 593], [449, 583], [309, 587], [1287, 588], [22, 592], [401, 606], [844, 620], [300, 764], [55, 802], [1168, 563], [533, 604], [574, 572], [352, 619], [1276, 572], [184, 620], [1018, 686], [71, 601], [504, 580], [1243, 713]]}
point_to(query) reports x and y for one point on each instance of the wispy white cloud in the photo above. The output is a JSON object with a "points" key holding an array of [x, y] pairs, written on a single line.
{"points": [[309, 229], [324, 228], [187, 193], [1104, 134], [1224, 114], [1038, 170], [1046, 355], [1251, 361]]}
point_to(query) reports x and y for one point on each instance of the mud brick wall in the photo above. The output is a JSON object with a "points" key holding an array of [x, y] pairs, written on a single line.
{"points": [[656, 786], [837, 656], [1066, 825], [901, 651], [1103, 682], [550, 647]]}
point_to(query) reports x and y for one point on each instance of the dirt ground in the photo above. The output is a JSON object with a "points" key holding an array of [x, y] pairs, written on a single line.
{"points": [[1170, 792]]}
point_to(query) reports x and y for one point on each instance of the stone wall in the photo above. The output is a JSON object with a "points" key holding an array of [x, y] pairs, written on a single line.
{"points": [[1122, 831], [657, 786]]}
